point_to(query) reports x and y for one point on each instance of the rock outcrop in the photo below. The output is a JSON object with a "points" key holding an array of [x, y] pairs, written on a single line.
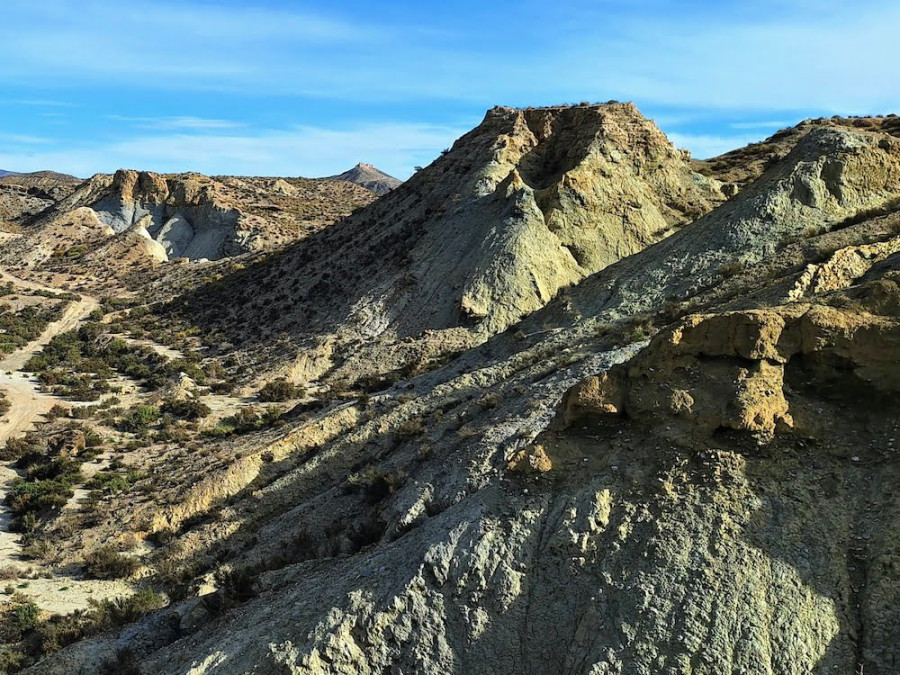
{"points": [[186, 215], [733, 370], [832, 177]]}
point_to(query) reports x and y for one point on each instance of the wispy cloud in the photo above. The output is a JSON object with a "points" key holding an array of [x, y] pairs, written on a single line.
{"points": [[24, 139], [177, 123], [187, 73], [773, 55], [40, 102], [311, 151]]}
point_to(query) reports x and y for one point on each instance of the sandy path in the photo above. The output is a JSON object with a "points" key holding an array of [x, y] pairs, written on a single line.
{"points": [[28, 401], [28, 404]]}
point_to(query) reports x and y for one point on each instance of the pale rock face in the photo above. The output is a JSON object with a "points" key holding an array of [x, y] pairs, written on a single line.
{"points": [[528, 203], [141, 236], [832, 174], [186, 214], [175, 235]]}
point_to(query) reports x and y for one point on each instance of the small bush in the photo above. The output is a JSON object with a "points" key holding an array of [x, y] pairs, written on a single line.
{"points": [[279, 390], [411, 428], [140, 417], [107, 563], [188, 409], [489, 401], [730, 269], [111, 482]]}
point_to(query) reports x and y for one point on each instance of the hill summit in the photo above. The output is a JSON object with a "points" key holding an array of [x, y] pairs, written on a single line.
{"points": [[527, 203], [370, 178]]}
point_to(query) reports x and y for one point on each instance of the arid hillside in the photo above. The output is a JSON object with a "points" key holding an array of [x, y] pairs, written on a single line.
{"points": [[558, 403], [528, 203], [113, 234]]}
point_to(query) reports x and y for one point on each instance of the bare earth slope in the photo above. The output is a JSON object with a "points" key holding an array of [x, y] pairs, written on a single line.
{"points": [[23, 196], [685, 463]]}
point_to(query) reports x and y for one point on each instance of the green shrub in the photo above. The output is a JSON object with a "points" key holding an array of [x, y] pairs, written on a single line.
{"points": [[189, 409], [19, 328], [279, 390], [38, 496], [140, 417], [112, 482], [107, 563]]}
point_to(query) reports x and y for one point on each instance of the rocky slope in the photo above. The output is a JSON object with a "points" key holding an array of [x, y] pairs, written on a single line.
{"points": [[111, 234], [370, 178], [741, 166], [683, 463], [192, 216], [23, 196], [529, 202]]}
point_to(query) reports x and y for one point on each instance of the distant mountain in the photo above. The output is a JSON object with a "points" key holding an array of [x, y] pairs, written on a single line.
{"points": [[40, 179], [370, 178]]}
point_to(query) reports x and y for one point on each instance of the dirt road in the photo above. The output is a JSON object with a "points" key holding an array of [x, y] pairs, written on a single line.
{"points": [[23, 392]]}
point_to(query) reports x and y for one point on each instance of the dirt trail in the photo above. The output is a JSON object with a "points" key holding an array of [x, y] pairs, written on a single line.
{"points": [[28, 401], [59, 594]]}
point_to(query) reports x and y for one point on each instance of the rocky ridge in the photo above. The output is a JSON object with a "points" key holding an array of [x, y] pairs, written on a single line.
{"points": [[528, 203], [682, 463]]}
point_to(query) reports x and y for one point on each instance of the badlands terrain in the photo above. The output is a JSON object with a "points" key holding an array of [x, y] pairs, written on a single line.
{"points": [[568, 400]]}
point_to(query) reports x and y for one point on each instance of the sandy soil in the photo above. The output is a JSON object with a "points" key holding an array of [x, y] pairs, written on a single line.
{"points": [[28, 404]]}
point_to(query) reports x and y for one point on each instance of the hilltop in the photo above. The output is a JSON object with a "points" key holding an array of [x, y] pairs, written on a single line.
{"points": [[112, 228], [370, 178], [486, 234]]}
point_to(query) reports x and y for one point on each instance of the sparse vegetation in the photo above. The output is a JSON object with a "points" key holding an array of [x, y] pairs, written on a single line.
{"points": [[247, 419], [107, 563], [18, 328], [140, 418], [279, 390], [186, 409], [27, 635], [114, 482]]}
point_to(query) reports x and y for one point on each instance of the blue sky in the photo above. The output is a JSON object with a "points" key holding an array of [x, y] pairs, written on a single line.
{"points": [[280, 87]]}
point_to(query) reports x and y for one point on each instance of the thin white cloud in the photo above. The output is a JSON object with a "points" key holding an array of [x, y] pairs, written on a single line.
{"points": [[40, 102], [307, 151], [24, 139], [769, 56], [177, 123]]}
